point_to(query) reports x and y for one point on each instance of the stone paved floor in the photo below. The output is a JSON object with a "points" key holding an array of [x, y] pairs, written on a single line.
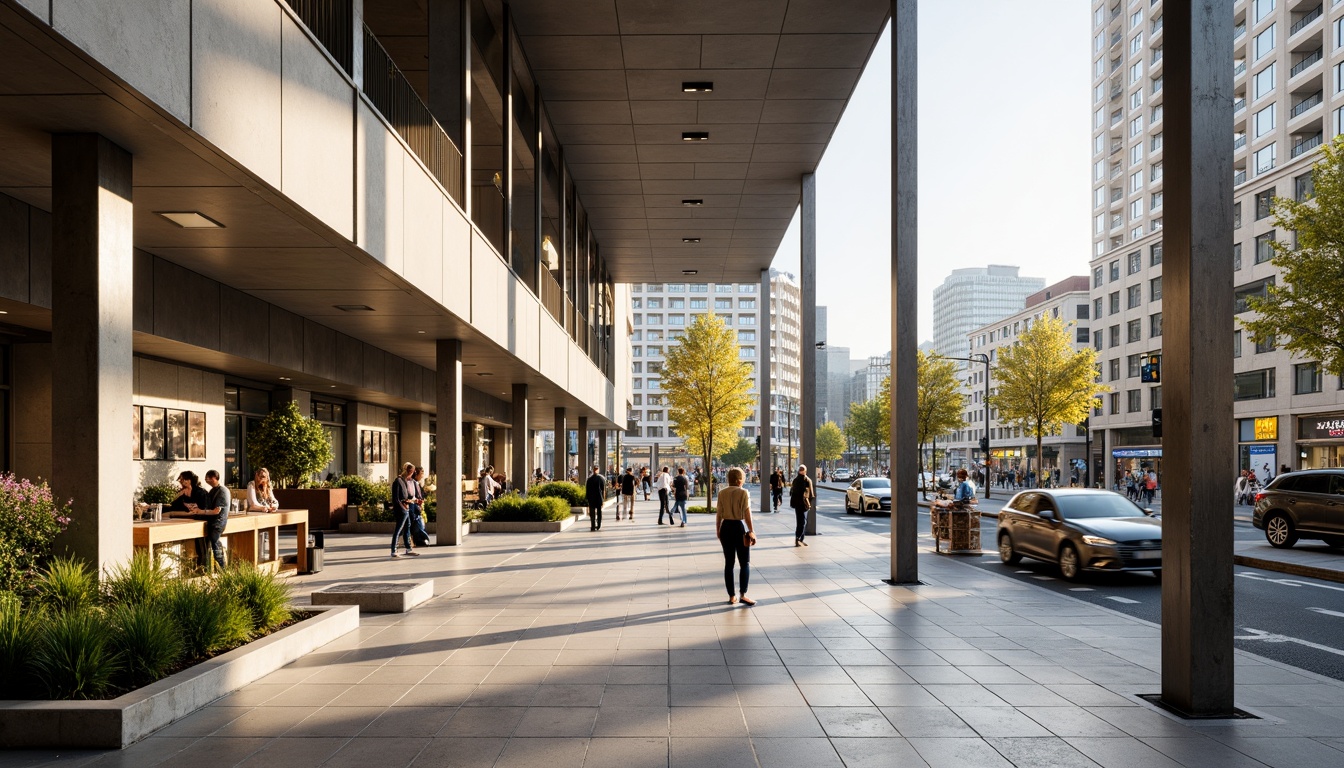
{"points": [[617, 649]]}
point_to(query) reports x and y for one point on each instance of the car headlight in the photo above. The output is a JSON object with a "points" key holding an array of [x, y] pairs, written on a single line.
{"points": [[1098, 541]]}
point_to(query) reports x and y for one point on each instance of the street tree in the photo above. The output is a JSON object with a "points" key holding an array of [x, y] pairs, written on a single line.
{"points": [[940, 406], [708, 389], [865, 425], [1043, 383], [830, 442], [1304, 311], [740, 455]]}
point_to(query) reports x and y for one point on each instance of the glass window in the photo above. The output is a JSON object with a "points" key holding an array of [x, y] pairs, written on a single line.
{"points": [[1254, 385], [1097, 277], [1155, 325], [1115, 335], [1264, 204], [1135, 397], [1244, 293], [1115, 403], [1097, 309], [1134, 329], [1265, 158], [1264, 247], [1115, 270], [1133, 362], [1236, 256], [1306, 378], [1135, 262], [1264, 42], [1264, 121], [1114, 365], [1264, 82], [1304, 186], [1236, 343], [1080, 312], [1134, 296], [1263, 8], [699, 303], [1115, 302], [1155, 289]]}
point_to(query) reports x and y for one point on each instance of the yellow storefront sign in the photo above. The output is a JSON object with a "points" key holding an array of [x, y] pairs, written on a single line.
{"points": [[1267, 428]]}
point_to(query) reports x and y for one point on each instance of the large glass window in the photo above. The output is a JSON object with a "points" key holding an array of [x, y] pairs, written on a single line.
{"points": [[487, 122], [1306, 378], [1254, 385], [1264, 42], [244, 408], [332, 418], [1264, 81], [523, 182], [553, 260]]}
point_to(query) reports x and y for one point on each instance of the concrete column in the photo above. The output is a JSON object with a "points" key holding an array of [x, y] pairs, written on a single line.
{"points": [[560, 464], [653, 458], [91, 344], [414, 438], [449, 27], [904, 295], [763, 389], [521, 472], [602, 458], [448, 441], [807, 417], [585, 455], [1107, 461], [1197, 620]]}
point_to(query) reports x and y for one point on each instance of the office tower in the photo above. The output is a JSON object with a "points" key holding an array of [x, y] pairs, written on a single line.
{"points": [[975, 296]]}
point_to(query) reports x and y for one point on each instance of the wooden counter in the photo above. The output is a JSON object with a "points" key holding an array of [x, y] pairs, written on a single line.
{"points": [[243, 533]]}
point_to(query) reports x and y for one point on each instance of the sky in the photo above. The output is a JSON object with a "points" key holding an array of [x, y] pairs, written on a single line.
{"points": [[1004, 162]]}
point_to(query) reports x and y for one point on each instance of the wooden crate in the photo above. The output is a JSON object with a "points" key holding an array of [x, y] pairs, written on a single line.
{"points": [[959, 528]]}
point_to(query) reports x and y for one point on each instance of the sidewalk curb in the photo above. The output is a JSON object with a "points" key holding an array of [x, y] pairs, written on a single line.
{"points": [[1292, 569]]}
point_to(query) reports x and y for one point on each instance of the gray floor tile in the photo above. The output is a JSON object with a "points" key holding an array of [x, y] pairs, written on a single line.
{"points": [[958, 753], [1201, 752], [770, 696], [1126, 752], [218, 752], [965, 696], [1289, 752], [900, 696], [502, 696], [483, 722], [935, 722], [999, 722], [707, 722], [389, 752], [635, 696], [411, 722], [543, 753], [782, 722], [703, 696], [632, 722], [878, 753], [1071, 721], [627, 753], [854, 722], [431, 695], [711, 753], [834, 695], [1047, 752], [795, 753], [556, 722]]}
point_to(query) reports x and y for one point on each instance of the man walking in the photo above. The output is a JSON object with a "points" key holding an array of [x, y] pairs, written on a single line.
{"points": [[214, 527], [627, 502], [597, 492], [662, 483], [681, 486], [800, 498], [777, 487]]}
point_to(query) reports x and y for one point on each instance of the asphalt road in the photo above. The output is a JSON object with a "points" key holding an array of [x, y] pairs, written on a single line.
{"points": [[1293, 620]]}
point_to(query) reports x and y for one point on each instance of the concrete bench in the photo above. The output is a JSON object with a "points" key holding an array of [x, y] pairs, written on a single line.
{"points": [[376, 596]]}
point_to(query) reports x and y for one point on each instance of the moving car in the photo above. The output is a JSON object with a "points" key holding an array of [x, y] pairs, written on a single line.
{"points": [[841, 475], [1302, 505], [868, 493], [1080, 529]]}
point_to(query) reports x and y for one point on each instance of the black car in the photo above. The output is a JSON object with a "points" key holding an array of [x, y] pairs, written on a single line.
{"points": [[1302, 505], [1080, 529]]}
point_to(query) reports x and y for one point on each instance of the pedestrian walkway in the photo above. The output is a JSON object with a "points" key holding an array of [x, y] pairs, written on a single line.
{"points": [[617, 648]]}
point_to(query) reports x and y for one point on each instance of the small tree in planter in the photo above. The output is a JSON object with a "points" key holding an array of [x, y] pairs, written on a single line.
{"points": [[289, 444]]}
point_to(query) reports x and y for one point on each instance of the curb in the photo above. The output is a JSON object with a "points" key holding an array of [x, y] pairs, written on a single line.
{"points": [[1292, 569]]}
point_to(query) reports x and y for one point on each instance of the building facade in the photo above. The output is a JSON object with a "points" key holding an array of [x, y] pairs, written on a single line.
{"points": [[1289, 65], [1012, 448], [660, 313], [973, 297]]}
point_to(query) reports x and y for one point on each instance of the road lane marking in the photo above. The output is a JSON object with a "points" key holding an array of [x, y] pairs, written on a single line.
{"points": [[1081, 589], [1289, 582], [1124, 600], [1042, 578], [1327, 612], [1021, 571], [1269, 637]]}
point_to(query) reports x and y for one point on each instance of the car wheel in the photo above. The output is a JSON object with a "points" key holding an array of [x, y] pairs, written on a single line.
{"points": [[1158, 575], [847, 509], [1336, 542], [1006, 552], [1279, 531], [1069, 567]]}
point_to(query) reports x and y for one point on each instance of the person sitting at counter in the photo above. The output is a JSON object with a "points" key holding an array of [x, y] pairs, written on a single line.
{"points": [[218, 503], [191, 497], [260, 495]]}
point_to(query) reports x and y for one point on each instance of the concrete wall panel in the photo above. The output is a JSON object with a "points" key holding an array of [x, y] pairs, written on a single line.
{"points": [[13, 249], [424, 232], [489, 296], [147, 43], [158, 379], [379, 214], [39, 258], [319, 142], [39, 8], [236, 76], [186, 305], [553, 353], [349, 359], [375, 369], [286, 339], [394, 375], [456, 261], [247, 332], [524, 337], [142, 293], [32, 420], [319, 350]]}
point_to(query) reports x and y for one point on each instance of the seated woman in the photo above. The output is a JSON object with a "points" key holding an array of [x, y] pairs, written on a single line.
{"points": [[260, 495], [962, 497], [190, 492]]}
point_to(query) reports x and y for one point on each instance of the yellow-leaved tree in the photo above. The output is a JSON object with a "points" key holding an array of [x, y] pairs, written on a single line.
{"points": [[708, 389], [830, 443], [941, 405], [1043, 383]]}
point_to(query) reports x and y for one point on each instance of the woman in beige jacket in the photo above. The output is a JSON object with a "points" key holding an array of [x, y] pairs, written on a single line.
{"points": [[733, 524]]}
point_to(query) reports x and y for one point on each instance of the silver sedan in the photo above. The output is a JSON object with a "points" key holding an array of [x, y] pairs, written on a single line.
{"points": [[868, 494]]}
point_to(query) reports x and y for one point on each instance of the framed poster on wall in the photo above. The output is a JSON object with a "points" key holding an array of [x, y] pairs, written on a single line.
{"points": [[151, 433], [366, 445], [177, 434], [196, 435]]}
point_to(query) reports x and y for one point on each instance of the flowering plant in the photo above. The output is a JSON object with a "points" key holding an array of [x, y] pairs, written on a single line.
{"points": [[30, 520]]}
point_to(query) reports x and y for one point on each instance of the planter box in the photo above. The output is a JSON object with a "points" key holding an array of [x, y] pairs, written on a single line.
{"points": [[326, 506], [120, 722], [521, 527]]}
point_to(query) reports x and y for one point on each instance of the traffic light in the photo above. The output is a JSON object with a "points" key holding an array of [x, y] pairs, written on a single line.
{"points": [[1151, 371], [1157, 422], [984, 445]]}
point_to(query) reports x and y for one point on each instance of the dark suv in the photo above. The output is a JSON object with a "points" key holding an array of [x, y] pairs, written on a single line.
{"points": [[1302, 505]]}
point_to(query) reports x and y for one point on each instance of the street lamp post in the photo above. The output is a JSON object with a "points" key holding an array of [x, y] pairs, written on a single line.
{"points": [[980, 357]]}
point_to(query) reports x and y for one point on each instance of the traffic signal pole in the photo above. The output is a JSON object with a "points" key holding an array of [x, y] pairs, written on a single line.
{"points": [[980, 357]]}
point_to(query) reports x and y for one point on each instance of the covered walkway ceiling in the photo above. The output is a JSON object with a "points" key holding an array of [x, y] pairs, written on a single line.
{"points": [[611, 73]]}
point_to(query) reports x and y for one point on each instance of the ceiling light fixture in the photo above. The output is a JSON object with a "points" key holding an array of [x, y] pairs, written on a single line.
{"points": [[190, 219], [703, 86], [695, 135], [692, 203], [285, 378], [691, 240], [486, 373], [353, 307], [690, 272], [419, 331]]}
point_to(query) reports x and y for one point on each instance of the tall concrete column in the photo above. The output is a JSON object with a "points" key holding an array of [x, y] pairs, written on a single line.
{"points": [[1197, 440], [91, 344], [414, 438], [763, 389], [449, 27], [807, 418], [585, 454], [521, 472], [560, 462], [904, 295], [602, 458], [653, 458], [1107, 460], [448, 440]]}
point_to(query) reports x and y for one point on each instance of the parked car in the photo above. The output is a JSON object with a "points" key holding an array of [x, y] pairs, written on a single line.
{"points": [[1302, 505], [842, 475], [868, 494], [1080, 529]]}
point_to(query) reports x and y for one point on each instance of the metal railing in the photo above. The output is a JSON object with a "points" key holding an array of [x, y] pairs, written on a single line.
{"points": [[1239, 178], [1301, 23], [1239, 142], [1239, 69], [393, 96], [1238, 105], [332, 23], [1307, 61], [552, 296], [1306, 104], [1307, 144]]}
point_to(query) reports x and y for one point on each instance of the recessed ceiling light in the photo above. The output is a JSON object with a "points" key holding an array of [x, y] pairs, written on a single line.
{"points": [[690, 239], [4, 311], [695, 135], [419, 331], [333, 386], [190, 219], [690, 271], [692, 203], [285, 378], [703, 86], [485, 373], [353, 307]]}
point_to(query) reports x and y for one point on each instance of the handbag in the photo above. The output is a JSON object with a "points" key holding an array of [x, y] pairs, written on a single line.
{"points": [[748, 539]]}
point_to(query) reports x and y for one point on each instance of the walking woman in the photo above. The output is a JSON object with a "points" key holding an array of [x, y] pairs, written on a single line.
{"points": [[736, 533]]}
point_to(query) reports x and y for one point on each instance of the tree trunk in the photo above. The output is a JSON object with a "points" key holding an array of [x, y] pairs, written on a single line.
{"points": [[923, 487], [1040, 458], [709, 476]]}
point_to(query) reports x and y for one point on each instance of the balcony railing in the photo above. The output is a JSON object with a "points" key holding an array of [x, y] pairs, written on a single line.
{"points": [[1239, 178], [1307, 103], [1307, 61], [1238, 31], [1307, 144], [393, 96], [332, 23], [1302, 23], [1239, 142], [1238, 70], [1238, 105]]}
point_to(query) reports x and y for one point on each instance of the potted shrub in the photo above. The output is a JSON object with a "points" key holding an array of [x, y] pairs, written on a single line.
{"points": [[572, 493], [294, 447]]}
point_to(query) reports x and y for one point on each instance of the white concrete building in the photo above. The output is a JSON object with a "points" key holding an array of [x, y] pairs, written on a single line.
{"points": [[975, 296]]}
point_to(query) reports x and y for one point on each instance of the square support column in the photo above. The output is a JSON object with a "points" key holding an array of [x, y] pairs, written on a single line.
{"points": [[520, 446], [448, 441], [585, 454], [904, 295], [807, 419], [1197, 441], [603, 460], [414, 438], [560, 457], [91, 344], [764, 390]]}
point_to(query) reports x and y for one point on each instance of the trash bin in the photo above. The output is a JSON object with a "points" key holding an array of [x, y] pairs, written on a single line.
{"points": [[317, 543]]}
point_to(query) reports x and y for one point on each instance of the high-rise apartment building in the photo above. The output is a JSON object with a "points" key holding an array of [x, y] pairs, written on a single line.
{"points": [[976, 296], [1288, 65], [661, 312]]}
